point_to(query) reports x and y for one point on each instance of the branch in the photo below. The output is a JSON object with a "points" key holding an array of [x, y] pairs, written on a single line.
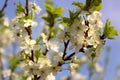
{"points": [[1, 67], [36, 77], [46, 50], [69, 57], [65, 45], [4, 6], [26, 7], [28, 29], [81, 50]]}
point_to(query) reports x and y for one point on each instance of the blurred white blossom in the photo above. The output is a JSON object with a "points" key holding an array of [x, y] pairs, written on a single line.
{"points": [[98, 68], [29, 22], [35, 7]]}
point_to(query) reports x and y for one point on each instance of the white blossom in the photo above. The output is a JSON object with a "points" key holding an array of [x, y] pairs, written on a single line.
{"points": [[84, 59], [98, 68], [73, 66], [94, 19], [6, 39], [28, 45], [77, 76], [53, 45], [6, 21], [50, 77], [6, 73], [61, 27], [29, 22], [35, 7]]}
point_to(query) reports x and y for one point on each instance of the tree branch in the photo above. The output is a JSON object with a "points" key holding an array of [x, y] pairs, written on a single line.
{"points": [[4, 6], [28, 29], [69, 57], [1, 67], [26, 7], [81, 50], [65, 45]]}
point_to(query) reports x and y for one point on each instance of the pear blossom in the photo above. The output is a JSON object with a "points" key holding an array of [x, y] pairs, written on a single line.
{"points": [[73, 66], [44, 38], [17, 18], [28, 44], [56, 58], [77, 76], [53, 45], [50, 77], [6, 22], [29, 22], [35, 7], [94, 19], [98, 68], [84, 59], [42, 67], [45, 56], [6, 73], [6, 39]]}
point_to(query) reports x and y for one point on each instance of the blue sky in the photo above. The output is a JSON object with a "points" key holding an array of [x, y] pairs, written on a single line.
{"points": [[110, 11]]}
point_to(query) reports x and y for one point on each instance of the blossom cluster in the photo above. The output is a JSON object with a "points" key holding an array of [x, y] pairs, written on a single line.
{"points": [[60, 42]]}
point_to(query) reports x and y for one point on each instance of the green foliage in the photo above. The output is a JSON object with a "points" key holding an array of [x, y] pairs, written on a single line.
{"points": [[53, 32], [3, 28], [1, 15], [79, 4], [52, 13], [91, 64], [73, 16], [38, 40], [1, 19], [37, 54], [14, 62], [20, 8], [109, 31], [93, 5]]}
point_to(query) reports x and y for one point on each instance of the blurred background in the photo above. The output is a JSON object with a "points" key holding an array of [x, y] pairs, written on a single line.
{"points": [[110, 10]]}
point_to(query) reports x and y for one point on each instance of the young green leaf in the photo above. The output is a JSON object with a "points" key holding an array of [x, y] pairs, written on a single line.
{"points": [[79, 4], [20, 8], [14, 62], [93, 5], [37, 54], [109, 31]]}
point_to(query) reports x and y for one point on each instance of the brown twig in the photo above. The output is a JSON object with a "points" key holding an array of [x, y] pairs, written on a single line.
{"points": [[4, 6], [1, 67], [28, 29], [36, 77], [69, 57], [81, 50], [26, 7], [65, 48], [46, 50]]}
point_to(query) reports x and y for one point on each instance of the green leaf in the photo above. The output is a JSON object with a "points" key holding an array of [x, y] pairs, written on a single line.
{"points": [[91, 64], [14, 62], [53, 31], [57, 11], [52, 13], [1, 15], [38, 40], [93, 5], [48, 5], [79, 4], [37, 53], [109, 31], [66, 20], [71, 13], [20, 8]]}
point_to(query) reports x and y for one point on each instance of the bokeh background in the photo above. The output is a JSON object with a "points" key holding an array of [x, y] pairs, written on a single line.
{"points": [[110, 10]]}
